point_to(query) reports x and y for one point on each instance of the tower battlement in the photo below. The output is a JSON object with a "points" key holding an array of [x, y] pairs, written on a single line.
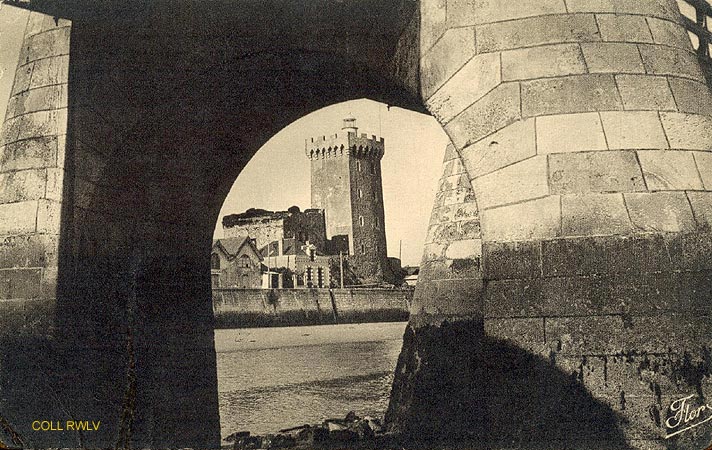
{"points": [[345, 143]]}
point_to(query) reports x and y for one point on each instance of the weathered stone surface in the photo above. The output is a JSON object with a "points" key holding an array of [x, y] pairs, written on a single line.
{"points": [[666, 9], [511, 260], [623, 28], [459, 45], [534, 31], [594, 214], [22, 185], [432, 23], [495, 111], [661, 60], [691, 96], [534, 219], [688, 131], [524, 333], [18, 218], [669, 33], [585, 335], [518, 182], [470, 12], [633, 130], [611, 171], [569, 133], [660, 212], [669, 170], [473, 81], [582, 93], [612, 57], [704, 166], [20, 283], [544, 61], [702, 207], [512, 144], [645, 92], [604, 255]]}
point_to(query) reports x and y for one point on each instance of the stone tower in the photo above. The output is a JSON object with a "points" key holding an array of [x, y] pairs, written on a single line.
{"points": [[346, 184]]}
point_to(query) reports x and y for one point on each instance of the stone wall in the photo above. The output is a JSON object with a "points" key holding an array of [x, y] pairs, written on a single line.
{"points": [[583, 128], [240, 308]]}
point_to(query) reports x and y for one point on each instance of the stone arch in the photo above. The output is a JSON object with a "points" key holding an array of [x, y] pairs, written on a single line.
{"points": [[125, 131]]}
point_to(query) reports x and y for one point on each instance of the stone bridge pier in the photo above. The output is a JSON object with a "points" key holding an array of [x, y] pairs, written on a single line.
{"points": [[564, 294]]}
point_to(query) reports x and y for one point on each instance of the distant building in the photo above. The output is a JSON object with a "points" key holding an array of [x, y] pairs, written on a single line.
{"points": [[235, 262], [411, 275], [345, 226], [346, 184]]}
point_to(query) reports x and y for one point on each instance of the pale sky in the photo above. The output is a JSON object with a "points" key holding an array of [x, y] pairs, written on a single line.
{"points": [[278, 175]]}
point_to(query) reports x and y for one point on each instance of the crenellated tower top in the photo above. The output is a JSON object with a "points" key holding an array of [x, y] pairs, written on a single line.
{"points": [[347, 142]]}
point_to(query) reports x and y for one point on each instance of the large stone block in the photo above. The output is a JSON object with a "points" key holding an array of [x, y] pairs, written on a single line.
{"points": [[633, 130], [511, 144], [612, 57], [594, 214], [569, 133], [18, 218], [624, 28], [666, 9], [22, 185], [507, 260], [513, 298], [473, 81], [582, 93], [491, 113], [704, 166], [471, 12], [544, 61], [605, 255], [31, 250], [49, 71], [688, 131], [53, 42], [645, 92], [611, 171], [691, 96], [670, 33], [660, 212], [446, 57], [530, 32], [574, 336], [518, 182], [702, 206], [669, 170], [524, 333], [662, 60], [432, 22], [536, 219], [20, 283]]}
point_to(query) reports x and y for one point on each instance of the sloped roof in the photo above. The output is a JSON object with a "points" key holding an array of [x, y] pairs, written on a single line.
{"points": [[231, 246]]}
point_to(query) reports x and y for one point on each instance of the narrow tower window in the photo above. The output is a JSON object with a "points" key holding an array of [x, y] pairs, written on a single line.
{"points": [[358, 166], [360, 193], [360, 220]]}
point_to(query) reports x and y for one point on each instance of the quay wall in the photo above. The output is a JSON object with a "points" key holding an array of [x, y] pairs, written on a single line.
{"points": [[244, 308]]}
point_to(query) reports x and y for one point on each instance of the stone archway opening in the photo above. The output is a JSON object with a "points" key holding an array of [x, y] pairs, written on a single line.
{"points": [[316, 365]]}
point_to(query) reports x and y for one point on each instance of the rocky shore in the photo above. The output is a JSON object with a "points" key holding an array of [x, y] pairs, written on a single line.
{"points": [[351, 432]]}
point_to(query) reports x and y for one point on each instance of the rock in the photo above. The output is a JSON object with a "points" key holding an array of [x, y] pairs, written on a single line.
{"points": [[363, 429], [278, 441], [343, 435], [374, 423], [235, 436], [335, 426], [312, 434], [248, 443]]}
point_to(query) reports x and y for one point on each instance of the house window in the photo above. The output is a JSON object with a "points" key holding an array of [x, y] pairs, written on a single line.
{"points": [[245, 261], [319, 277], [360, 220], [215, 261]]}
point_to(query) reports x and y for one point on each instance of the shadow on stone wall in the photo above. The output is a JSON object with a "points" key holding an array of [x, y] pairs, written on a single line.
{"points": [[506, 396]]}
